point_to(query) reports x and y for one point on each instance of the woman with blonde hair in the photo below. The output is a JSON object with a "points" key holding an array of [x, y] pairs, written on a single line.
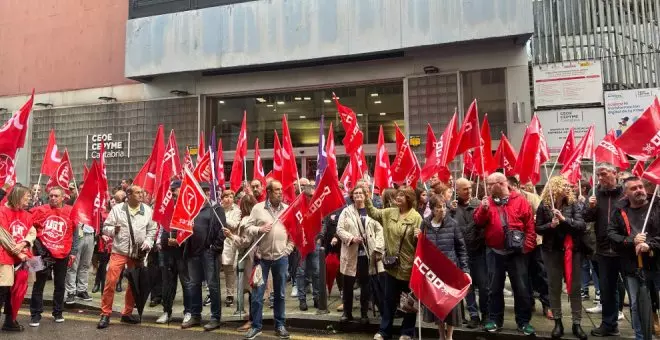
{"points": [[559, 220]]}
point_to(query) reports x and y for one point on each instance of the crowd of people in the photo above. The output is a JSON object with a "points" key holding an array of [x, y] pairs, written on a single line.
{"points": [[497, 228]]}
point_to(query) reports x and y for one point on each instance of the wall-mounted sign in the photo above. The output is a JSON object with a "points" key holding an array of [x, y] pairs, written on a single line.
{"points": [[623, 107], [570, 83], [117, 145], [415, 140], [556, 123]]}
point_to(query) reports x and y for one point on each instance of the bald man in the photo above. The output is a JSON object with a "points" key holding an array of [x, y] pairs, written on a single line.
{"points": [[510, 235], [474, 240]]}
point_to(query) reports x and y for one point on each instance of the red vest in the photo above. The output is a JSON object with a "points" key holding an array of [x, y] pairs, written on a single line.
{"points": [[54, 229], [18, 224]]}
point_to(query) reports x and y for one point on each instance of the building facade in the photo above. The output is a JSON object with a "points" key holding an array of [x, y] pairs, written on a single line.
{"points": [[198, 65]]}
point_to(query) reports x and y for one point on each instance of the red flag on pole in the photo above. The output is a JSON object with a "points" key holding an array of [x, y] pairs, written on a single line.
{"points": [[331, 158], [187, 162], [220, 166], [62, 175], [544, 152], [382, 173], [191, 200], [292, 219], [201, 149], [289, 166], [587, 144], [470, 136], [528, 165], [354, 137], [652, 173], [607, 152], [258, 170], [148, 177], [13, 131], [52, 158], [433, 158], [202, 172], [568, 148], [86, 208], [571, 170], [237, 170], [505, 156], [642, 139], [277, 159], [638, 169], [171, 166], [435, 279], [405, 169], [487, 147], [326, 199]]}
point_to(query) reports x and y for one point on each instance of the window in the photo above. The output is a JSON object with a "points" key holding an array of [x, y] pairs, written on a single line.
{"points": [[489, 88]]}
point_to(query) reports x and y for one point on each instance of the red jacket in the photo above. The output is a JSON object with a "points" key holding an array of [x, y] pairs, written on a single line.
{"points": [[54, 229], [519, 216], [18, 224]]}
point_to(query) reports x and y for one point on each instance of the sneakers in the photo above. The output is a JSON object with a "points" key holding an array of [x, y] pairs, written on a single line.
{"points": [[621, 316], [597, 298], [163, 319], [527, 329], [252, 334], [294, 292], [190, 321], [405, 337], [84, 296], [70, 299], [58, 319], [378, 337], [282, 333], [303, 305], [585, 295], [507, 293], [491, 327], [207, 300], [596, 309], [34, 321], [229, 301], [213, 324]]}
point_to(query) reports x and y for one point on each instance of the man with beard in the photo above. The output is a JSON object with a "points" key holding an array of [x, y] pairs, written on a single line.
{"points": [[57, 246], [257, 190]]}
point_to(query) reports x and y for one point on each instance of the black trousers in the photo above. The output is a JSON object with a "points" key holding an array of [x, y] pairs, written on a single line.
{"points": [[174, 266], [365, 293], [5, 298], [59, 269], [155, 274], [104, 258]]}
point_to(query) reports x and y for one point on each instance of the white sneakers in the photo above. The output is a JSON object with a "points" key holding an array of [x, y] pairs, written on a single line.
{"points": [[378, 337], [187, 317], [596, 309], [621, 317], [294, 292], [163, 319]]}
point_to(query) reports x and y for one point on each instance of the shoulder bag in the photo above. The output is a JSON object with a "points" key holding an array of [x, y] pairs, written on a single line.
{"points": [[514, 240], [134, 251], [391, 262]]}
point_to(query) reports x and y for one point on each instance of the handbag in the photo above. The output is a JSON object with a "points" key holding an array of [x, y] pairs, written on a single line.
{"points": [[408, 303], [134, 252], [391, 262], [514, 240]]}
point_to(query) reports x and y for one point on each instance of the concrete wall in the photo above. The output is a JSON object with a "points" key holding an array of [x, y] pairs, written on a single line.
{"points": [[58, 45], [285, 31]]}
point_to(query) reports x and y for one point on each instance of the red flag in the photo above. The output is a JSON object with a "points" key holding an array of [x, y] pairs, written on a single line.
{"points": [[544, 153], [436, 280], [171, 166], [331, 159], [431, 164], [587, 144], [528, 165], [220, 165], [103, 182], [642, 139], [289, 166], [568, 262], [62, 175], [237, 170], [7, 174], [202, 172], [405, 169], [13, 131], [382, 173], [346, 177], [571, 170], [187, 162], [487, 147], [638, 169], [258, 170], [470, 136], [568, 148], [356, 171], [327, 198], [52, 158], [86, 208], [191, 200], [505, 156], [354, 137], [652, 173], [149, 176], [607, 152], [201, 150], [182, 236], [277, 159], [292, 219], [468, 163]]}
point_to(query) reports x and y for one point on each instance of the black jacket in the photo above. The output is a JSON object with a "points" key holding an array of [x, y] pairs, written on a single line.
{"points": [[449, 239], [606, 202], [553, 238], [623, 242], [329, 231], [464, 216], [207, 232]]}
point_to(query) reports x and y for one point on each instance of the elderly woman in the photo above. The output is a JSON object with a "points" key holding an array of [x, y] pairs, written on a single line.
{"points": [[361, 253], [233, 216], [400, 228], [444, 232], [15, 224], [559, 220]]}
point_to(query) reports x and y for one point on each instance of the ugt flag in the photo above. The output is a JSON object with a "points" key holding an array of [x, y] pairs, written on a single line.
{"points": [[435, 279]]}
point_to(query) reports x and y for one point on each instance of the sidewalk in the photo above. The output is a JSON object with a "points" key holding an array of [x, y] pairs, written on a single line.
{"points": [[330, 322]]}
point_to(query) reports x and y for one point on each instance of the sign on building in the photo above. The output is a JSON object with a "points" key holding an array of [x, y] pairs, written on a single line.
{"points": [[556, 123], [623, 107], [117, 145], [570, 83]]}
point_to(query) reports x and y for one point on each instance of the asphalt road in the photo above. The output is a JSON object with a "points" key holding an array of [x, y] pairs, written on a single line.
{"points": [[83, 326]]}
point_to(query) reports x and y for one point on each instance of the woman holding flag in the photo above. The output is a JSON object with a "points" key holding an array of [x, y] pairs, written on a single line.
{"points": [[559, 220]]}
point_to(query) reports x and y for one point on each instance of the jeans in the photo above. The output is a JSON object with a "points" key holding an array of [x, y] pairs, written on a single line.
{"points": [[609, 269], [479, 272], [294, 259], [393, 290], [517, 266], [59, 268], [279, 270], [306, 268], [632, 284], [538, 279], [589, 272], [365, 291], [173, 266], [554, 261], [204, 268], [77, 275]]}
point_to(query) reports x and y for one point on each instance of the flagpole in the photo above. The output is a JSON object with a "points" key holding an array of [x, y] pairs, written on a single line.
{"points": [[648, 212], [476, 194], [547, 181], [38, 185], [257, 242], [483, 170]]}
